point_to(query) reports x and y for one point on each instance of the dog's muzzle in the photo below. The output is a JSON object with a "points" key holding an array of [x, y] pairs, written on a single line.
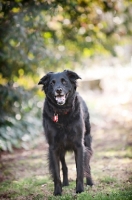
{"points": [[60, 97]]}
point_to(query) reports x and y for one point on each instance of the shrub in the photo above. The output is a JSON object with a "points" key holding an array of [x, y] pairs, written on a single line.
{"points": [[19, 116]]}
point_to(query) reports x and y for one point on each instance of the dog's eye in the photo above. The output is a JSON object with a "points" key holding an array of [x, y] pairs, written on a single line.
{"points": [[52, 82], [63, 81]]}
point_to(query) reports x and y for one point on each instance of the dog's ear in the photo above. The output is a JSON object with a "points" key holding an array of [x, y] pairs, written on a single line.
{"points": [[72, 75], [45, 80]]}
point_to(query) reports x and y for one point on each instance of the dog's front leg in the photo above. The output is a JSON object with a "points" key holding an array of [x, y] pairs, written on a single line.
{"points": [[79, 157], [64, 169], [55, 170]]}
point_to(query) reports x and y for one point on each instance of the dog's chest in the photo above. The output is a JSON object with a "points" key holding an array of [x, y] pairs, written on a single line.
{"points": [[64, 132], [65, 137]]}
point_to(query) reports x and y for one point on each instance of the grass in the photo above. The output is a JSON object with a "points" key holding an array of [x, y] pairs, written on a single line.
{"points": [[24, 175], [26, 187], [42, 189], [108, 180]]}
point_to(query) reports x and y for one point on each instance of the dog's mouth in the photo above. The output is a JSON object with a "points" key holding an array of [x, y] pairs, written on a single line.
{"points": [[60, 99]]}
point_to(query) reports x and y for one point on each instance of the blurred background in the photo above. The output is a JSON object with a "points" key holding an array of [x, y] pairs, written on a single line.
{"points": [[91, 37]]}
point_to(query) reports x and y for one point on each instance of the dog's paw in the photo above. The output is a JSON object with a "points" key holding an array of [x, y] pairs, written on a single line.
{"points": [[79, 187], [58, 190], [89, 182]]}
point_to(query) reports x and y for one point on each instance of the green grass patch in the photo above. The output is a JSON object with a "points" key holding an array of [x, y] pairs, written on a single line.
{"points": [[108, 180], [24, 187], [125, 194], [40, 188]]}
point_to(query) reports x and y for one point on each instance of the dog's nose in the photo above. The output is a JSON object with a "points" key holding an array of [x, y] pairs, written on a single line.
{"points": [[59, 90]]}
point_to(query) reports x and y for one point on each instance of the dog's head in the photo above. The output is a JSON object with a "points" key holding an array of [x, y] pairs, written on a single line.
{"points": [[59, 86]]}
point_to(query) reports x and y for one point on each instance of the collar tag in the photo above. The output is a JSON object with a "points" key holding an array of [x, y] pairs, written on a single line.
{"points": [[55, 118]]}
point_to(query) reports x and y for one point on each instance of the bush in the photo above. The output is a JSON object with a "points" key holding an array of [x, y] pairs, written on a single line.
{"points": [[20, 116]]}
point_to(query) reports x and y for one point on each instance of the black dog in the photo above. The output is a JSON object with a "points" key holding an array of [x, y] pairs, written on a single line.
{"points": [[67, 128]]}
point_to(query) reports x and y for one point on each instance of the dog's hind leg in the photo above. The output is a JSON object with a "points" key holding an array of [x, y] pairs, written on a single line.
{"points": [[54, 167], [64, 169], [79, 158], [88, 154]]}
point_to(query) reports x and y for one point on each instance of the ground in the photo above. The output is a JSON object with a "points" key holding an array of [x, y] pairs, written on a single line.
{"points": [[24, 174]]}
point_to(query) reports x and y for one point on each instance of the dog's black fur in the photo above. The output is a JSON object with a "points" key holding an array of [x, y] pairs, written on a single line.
{"points": [[67, 128]]}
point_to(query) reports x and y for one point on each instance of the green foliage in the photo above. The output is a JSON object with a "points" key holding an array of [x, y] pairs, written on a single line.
{"points": [[19, 118], [50, 34]]}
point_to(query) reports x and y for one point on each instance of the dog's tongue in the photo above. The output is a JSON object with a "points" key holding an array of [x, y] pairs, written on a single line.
{"points": [[60, 100]]}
